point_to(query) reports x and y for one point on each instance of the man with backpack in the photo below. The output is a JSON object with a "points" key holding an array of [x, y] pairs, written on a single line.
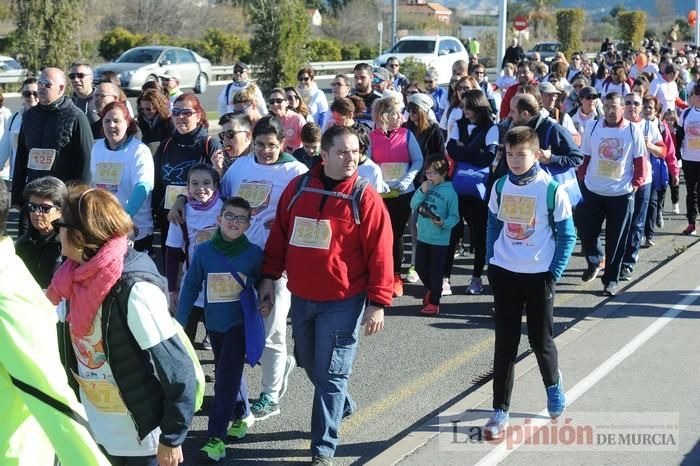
{"points": [[331, 222]]}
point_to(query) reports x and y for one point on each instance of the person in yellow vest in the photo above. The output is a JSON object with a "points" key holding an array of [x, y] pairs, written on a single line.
{"points": [[41, 415]]}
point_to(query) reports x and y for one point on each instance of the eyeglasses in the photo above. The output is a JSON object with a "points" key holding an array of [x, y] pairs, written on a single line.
{"points": [[41, 208], [304, 79], [275, 101], [45, 84], [428, 82], [185, 112], [28, 94], [588, 97], [633, 102], [463, 88], [431, 173], [58, 224], [229, 217], [229, 133], [337, 84], [77, 75], [269, 147]]}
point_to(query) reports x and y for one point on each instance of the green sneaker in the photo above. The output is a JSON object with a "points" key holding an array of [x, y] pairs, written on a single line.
{"points": [[215, 449], [263, 407], [239, 427]]}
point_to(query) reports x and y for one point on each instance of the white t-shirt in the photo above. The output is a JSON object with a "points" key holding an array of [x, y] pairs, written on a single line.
{"points": [[8, 145], [261, 185], [201, 225], [665, 92], [606, 88], [652, 132], [612, 150], [372, 173], [316, 102], [449, 122], [690, 122], [118, 171], [526, 244], [580, 120], [150, 324]]}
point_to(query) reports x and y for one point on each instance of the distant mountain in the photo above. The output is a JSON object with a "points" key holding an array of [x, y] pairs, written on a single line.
{"points": [[593, 7]]}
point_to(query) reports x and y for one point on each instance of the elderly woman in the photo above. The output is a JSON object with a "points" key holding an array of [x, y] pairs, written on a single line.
{"points": [[39, 247], [120, 343], [397, 152]]}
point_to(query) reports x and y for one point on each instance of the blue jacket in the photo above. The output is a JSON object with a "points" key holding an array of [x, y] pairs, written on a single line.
{"points": [[442, 200], [220, 317]]}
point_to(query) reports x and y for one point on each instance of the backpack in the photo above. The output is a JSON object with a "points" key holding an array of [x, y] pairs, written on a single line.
{"points": [[358, 189], [551, 196]]}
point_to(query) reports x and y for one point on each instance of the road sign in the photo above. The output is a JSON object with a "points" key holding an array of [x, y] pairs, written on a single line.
{"points": [[520, 23]]}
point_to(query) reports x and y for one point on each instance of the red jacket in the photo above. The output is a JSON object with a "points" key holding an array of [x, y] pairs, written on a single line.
{"points": [[358, 258], [510, 93]]}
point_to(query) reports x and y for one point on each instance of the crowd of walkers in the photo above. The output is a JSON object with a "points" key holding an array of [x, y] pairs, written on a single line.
{"points": [[513, 171]]}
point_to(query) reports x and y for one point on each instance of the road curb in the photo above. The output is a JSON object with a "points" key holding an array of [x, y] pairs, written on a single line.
{"points": [[419, 437]]}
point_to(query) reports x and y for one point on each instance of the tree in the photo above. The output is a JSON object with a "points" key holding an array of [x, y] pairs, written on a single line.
{"points": [[632, 27], [570, 24], [47, 32], [279, 41], [116, 42], [540, 12], [354, 21]]}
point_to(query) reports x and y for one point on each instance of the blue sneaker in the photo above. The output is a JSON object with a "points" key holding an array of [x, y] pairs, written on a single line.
{"points": [[556, 401], [493, 430]]}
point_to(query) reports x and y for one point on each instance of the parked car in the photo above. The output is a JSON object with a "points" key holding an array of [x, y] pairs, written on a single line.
{"points": [[438, 52], [546, 50], [10, 70], [141, 64]]}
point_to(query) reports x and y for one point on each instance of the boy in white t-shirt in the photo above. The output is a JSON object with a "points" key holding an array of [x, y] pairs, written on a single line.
{"points": [[529, 240]]}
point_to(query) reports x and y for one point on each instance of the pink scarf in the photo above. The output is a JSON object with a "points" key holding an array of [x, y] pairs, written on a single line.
{"points": [[86, 285]]}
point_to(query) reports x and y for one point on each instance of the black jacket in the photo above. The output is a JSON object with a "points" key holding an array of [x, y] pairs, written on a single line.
{"points": [[60, 126], [155, 131], [157, 385], [87, 106], [41, 254]]}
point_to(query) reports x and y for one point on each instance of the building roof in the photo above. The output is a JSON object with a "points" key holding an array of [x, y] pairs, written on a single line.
{"points": [[436, 7]]}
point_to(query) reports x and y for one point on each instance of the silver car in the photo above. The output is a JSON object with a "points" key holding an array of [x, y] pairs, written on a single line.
{"points": [[141, 64]]}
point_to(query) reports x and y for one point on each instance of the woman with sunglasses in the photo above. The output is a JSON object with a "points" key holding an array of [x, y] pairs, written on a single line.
{"points": [[291, 121], [39, 247], [10, 137], [154, 118], [296, 104], [118, 339], [313, 97], [454, 112], [188, 145]]}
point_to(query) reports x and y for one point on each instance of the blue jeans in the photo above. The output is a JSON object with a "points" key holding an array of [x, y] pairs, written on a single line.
{"points": [[325, 339], [639, 216]]}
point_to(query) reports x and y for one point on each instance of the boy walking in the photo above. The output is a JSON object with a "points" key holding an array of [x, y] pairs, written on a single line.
{"points": [[529, 240]]}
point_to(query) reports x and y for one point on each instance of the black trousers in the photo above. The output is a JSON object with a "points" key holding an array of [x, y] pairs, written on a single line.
{"points": [[399, 211], [430, 263], [512, 292], [475, 212], [691, 172]]}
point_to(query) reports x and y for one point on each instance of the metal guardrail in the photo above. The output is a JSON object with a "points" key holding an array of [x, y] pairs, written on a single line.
{"points": [[225, 72]]}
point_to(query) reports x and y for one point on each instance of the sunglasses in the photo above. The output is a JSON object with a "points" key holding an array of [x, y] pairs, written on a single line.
{"points": [[304, 79], [41, 208], [228, 216], [463, 88], [633, 102], [588, 97], [428, 82], [44, 84], [229, 134], [77, 75], [431, 173], [238, 71], [28, 94], [276, 101], [292, 97], [185, 112]]}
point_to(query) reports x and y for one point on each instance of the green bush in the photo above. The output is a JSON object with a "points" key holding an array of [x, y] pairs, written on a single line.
{"points": [[323, 49], [632, 26], [413, 69], [221, 47], [350, 51], [570, 24], [368, 52], [116, 42], [157, 38]]}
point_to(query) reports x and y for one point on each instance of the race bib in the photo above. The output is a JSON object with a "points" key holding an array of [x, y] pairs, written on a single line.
{"points": [[394, 171], [41, 159], [171, 193], [103, 394], [609, 169], [255, 193], [694, 143], [108, 174], [205, 234], [311, 233], [517, 209], [222, 288]]}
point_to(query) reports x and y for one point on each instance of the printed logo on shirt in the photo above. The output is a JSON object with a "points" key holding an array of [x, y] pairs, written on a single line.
{"points": [[518, 215], [108, 175], [257, 193], [692, 133], [311, 233], [89, 350], [610, 165], [223, 288], [41, 159]]}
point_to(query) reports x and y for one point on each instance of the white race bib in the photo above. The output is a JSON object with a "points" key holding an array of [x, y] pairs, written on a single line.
{"points": [[108, 174], [223, 288], [103, 394], [394, 171], [171, 193], [311, 233], [41, 159], [517, 209], [255, 193], [609, 169], [205, 234]]}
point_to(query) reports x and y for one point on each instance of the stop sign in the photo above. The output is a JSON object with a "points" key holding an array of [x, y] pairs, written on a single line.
{"points": [[520, 23]]}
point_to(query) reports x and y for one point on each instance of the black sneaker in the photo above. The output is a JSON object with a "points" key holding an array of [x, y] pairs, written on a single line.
{"points": [[590, 274], [610, 289], [626, 274]]}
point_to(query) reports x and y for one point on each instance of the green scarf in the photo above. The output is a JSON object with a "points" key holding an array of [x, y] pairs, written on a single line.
{"points": [[229, 248]]}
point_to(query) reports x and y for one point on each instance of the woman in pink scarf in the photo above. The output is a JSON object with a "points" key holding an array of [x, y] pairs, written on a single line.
{"points": [[119, 340]]}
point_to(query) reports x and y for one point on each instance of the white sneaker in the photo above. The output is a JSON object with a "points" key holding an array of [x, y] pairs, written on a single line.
{"points": [[676, 208], [412, 275], [446, 288]]}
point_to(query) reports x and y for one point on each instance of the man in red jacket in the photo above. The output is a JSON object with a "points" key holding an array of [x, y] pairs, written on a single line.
{"points": [[525, 75], [338, 258]]}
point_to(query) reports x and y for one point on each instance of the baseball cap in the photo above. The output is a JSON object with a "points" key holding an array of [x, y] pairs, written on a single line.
{"points": [[170, 74], [382, 73], [548, 88], [587, 91]]}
